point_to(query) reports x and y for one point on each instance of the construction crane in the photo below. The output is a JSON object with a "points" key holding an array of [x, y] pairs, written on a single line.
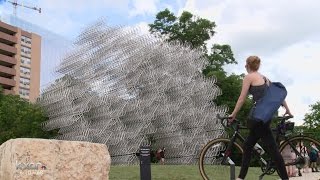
{"points": [[16, 4]]}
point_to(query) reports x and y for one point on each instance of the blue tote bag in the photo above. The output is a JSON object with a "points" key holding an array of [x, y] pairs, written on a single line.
{"points": [[274, 95]]}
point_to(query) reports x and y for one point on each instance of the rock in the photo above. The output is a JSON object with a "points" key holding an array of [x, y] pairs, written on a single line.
{"points": [[31, 159]]}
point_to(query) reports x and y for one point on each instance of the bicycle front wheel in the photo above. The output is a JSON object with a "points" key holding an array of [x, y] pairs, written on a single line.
{"points": [[215, 158]]}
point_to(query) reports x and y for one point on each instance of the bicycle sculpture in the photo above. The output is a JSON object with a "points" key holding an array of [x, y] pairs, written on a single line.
{"points": [[215, 155], [124, 88]]}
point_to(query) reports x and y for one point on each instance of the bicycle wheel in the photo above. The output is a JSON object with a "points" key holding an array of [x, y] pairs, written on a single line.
{"points": [[302, 147], [210, 162]]}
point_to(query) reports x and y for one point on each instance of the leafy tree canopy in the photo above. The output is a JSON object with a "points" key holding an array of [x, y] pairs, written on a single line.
{"points": [[20, 119], [312, 119]]}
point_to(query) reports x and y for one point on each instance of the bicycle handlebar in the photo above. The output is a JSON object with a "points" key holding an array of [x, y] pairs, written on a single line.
{"points": [[284, 118], [223, 118]]}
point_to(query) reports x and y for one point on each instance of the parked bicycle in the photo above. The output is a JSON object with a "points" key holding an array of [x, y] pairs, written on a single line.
{"points": [[216, 154]]}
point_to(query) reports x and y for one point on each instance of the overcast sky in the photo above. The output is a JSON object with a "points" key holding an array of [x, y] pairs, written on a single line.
{"points": [[284, 33]]}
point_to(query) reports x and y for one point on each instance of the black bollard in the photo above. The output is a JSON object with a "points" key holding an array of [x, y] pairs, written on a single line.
{"points": [[145, 163]]}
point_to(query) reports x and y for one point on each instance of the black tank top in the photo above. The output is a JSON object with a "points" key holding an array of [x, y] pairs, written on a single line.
{"points": [[257, 91]]}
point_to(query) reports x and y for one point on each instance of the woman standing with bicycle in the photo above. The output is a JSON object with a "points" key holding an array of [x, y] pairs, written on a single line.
{"points": [[255, 84]]}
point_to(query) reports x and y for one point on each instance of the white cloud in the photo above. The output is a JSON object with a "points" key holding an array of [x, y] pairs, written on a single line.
{"points": [[299, 63], [79, 6], [206, 9], [143, 7], [260, 26]]}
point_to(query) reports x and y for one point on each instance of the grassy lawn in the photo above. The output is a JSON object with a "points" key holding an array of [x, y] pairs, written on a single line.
{"points": [[176, 172]]}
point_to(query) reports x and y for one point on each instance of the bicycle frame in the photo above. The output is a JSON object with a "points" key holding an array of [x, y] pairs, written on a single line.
{"points": [[279, 134], [236, 135]]}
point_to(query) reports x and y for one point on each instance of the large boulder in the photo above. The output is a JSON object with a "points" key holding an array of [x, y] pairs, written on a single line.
{"points": [[28, 158]]}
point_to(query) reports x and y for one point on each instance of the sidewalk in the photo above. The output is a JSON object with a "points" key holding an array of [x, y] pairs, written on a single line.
{"points": [[308, 176]]}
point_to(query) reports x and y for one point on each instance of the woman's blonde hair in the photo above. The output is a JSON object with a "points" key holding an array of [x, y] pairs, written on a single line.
{"points": [[253, 63]]}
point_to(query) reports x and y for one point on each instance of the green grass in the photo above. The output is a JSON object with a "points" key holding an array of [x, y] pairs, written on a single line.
{"points": [[176, 172]]}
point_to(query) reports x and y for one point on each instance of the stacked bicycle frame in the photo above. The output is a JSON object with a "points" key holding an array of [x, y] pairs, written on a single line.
{"points": [[126, 89]]}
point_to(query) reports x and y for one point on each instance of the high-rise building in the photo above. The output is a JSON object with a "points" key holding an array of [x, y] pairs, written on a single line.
{"points": [[20, 54], [53, 47]]}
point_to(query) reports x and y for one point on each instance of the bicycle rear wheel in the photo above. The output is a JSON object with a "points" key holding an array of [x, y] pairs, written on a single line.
{"points": [[303, 145], [211, 158]]}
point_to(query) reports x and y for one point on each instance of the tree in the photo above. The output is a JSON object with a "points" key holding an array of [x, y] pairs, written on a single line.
{"points": [[311, 125], [312, 119], [196, 31], [20, 119], [187, 28], [220, 55]]}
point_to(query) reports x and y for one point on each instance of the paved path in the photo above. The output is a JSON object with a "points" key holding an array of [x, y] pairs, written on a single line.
{"points": [[308, 176]]}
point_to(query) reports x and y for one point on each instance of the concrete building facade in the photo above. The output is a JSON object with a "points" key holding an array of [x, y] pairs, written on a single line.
{"points": [[20, 56]]}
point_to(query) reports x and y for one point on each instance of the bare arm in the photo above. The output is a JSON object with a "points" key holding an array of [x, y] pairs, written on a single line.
{"points": [[285, 105], [243, 95]]}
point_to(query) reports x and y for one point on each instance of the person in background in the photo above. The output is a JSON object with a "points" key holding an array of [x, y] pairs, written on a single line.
{"points": [[304, 152], [162, 155], [313, 157], [289, 157], [158, 155]]}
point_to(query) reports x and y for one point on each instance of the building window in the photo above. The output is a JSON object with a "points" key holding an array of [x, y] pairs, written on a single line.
{"points": [[25, 71], [26, 40], [24, 81], [25, 60], [26, 50], [24, 92]]}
